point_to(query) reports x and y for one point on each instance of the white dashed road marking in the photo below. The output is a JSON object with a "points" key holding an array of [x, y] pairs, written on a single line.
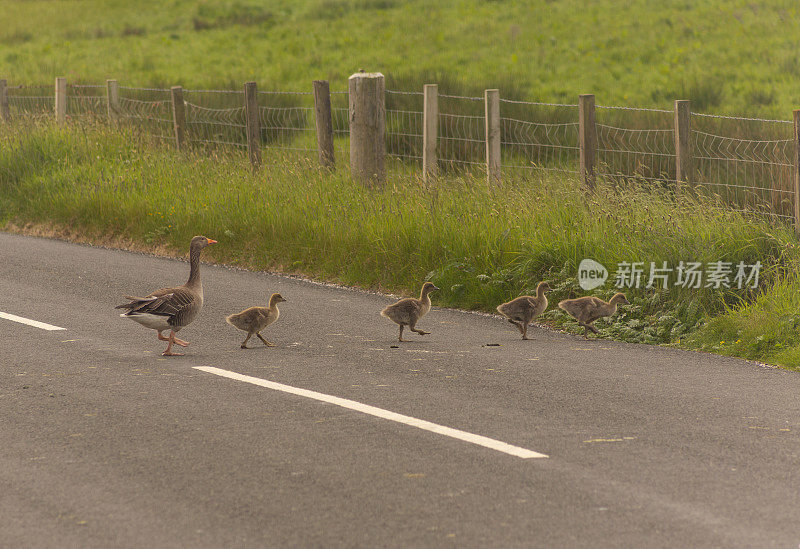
{"points": [[29, 322], [379, 412]]}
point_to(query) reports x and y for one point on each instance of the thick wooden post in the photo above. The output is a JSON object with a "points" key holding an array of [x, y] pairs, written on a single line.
{"points": [[61, 99], [5, 112], [430, 131], [587, 139], [112, 99], [492, 101], [324, 122], [796, 174], [683, 132], [179, 116], [252, 124], [368, 126]]}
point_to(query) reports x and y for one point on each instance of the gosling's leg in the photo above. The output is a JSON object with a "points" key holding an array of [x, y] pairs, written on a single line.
{"points": [[420, 332], [516, 324], [400, 337], [171, 339], [526, 321], [264, 341], [588, 327], [244, 343]]}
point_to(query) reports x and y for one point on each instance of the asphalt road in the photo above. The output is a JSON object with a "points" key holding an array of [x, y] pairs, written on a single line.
{"points": [[105, 443]]}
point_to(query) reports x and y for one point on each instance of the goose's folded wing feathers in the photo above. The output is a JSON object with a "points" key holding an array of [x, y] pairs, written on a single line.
{"points": [[172, 303]]}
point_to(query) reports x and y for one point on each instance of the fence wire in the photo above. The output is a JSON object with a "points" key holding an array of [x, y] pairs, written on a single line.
{"points": [[538, 137], [287, 121], [643, 149], [147, 110], [404, 128], [462, 133], [747, 162], [340, 120], [31, 101], [215, 118], [86, 101]]}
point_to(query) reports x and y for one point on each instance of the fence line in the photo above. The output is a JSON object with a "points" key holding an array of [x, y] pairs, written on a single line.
{"points": [[749, 162]]}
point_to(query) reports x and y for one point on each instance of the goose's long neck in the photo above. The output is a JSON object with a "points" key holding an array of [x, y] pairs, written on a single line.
{"points": [[194, 269]]}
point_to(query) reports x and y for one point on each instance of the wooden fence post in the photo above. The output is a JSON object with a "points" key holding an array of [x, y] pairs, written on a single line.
{"points": [[5, 111], [112, 99], [252, 124], [683, 147], [368, 126], [179, 116], [324, 122], [796, 170], [430, 131], [492, 104], [61, 99], [587, 139]]}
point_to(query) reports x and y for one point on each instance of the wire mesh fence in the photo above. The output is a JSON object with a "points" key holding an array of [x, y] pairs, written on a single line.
{"points": [[86, 101], [147, 110], [462, 133], [640, 147], [747, 162], [215, 118], [340, 120], [287, 121], [538, 137], [404, 127], [30, 101]]}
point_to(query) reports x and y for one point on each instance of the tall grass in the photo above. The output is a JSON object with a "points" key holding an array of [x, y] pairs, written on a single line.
{"points": [[482, 244]]}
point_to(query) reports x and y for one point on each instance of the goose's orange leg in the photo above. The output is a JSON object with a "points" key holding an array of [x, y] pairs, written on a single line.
{"points": [[175, 340], [171, 340]]}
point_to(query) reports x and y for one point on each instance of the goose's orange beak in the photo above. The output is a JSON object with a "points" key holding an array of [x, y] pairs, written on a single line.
{"points": [[212, 241]]}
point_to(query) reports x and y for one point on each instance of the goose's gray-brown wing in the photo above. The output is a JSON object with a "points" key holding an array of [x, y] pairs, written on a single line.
{"points": [[178, 304]]}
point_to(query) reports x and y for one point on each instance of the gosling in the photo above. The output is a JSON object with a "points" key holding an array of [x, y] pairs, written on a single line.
{"points": [[522, 310], [408, 311], [254, 319], [588, 309]]}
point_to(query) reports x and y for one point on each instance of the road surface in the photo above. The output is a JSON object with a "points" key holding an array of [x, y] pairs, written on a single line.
{"points": [[334, 438]]}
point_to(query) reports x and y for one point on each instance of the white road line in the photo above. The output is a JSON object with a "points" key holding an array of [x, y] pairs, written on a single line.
{"points": [[29, 322], [379, 412]]}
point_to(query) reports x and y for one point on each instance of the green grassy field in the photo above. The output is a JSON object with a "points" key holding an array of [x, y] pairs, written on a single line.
{"points": [[728, 56]]}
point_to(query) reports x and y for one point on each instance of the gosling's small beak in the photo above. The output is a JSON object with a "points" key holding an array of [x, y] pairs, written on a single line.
{"points": [[212, 241]]}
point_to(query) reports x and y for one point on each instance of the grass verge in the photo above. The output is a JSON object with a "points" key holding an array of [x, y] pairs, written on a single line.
{"points": [[481, 244]]}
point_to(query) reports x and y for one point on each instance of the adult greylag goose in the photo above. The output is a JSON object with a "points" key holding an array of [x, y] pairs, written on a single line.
{"points": [[408, 311], [589, 308], [254, 319], [522, 310], [171, 308]]}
